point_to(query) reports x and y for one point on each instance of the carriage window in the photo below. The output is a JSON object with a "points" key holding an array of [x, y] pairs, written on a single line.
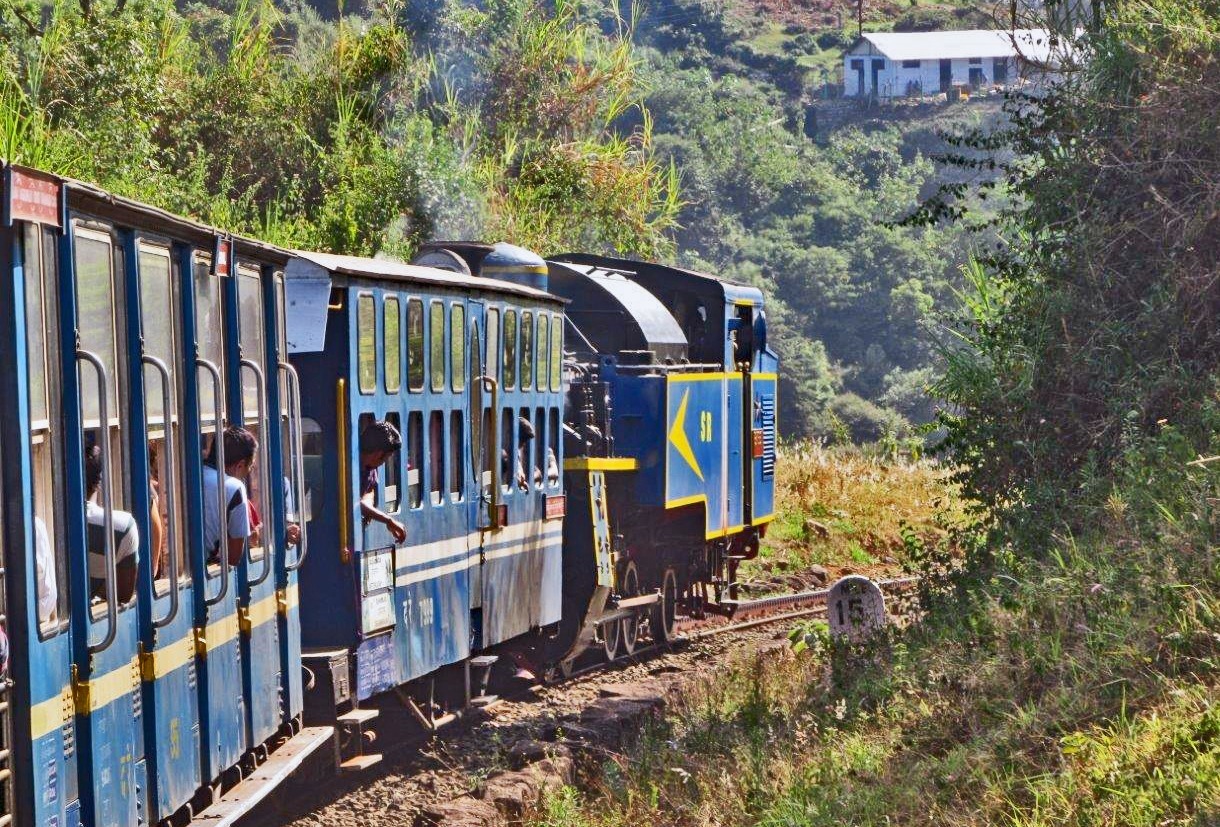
{"points": [[457, 346], [98, 276], [541, 436], [252, 329], [39, 270], [544, 340], [393, 345], [493, 343], [157, 304], [552, 451], [455, 455], [437, 338], [436, 455], [392, 475], [293, 511], [366, 343], [510, 349], [507, 451], [313, 454], [209, 333], [415, 458], [556, 353], [415, 345], [527, 350], [95, 284]]}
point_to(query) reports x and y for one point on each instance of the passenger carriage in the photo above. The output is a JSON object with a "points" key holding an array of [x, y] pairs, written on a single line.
{"points": [[142, 334], [455, 362]]}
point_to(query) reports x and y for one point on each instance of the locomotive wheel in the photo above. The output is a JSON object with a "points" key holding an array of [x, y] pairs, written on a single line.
{"points": [[610, 638], [630, 631], [665, 612]]}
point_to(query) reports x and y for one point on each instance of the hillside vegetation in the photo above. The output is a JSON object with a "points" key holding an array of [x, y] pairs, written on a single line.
{"points": [[355, 135], [1066, 669]]}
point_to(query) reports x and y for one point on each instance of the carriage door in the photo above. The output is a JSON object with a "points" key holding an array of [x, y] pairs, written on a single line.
{"points": [[260, 629], [99, 511], [296, 499], [168, 659], [41, 657], [222, 703], [742, 422]]}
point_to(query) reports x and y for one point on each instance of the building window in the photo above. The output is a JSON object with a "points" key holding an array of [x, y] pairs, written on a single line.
{"points": [[910, 64], [999, 70], [976, 61]]}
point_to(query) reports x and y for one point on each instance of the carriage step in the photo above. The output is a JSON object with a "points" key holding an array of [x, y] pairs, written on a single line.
{"points": [[360, 763], [273, 772], [357, 717]]}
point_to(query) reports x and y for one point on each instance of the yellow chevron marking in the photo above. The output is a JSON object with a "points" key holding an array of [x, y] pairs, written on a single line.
{"points": [[677, 435]]}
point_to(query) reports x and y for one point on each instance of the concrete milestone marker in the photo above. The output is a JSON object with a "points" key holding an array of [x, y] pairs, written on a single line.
{"points": [[855, 608]]}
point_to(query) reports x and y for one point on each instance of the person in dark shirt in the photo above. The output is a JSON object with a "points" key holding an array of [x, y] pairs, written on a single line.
{"points": [[378, 442]]}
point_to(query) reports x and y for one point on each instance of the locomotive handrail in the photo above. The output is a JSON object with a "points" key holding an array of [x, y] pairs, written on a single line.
{"points": [[110, 573], [494, 387], [263, 476], [685, 367], [218, 449], [298, 464], [170, 490]]}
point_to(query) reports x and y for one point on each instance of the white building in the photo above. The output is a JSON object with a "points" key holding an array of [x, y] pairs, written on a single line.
{"points": [[901, 64]]}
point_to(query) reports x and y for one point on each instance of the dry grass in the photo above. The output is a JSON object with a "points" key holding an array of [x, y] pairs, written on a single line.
{"points": [[847, 511]]}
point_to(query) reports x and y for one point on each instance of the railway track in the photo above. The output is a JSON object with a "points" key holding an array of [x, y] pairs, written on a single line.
{"points": [[421, 768]]}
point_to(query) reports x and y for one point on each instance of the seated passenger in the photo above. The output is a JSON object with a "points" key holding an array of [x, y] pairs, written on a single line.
{"points": [[126, 536], [552, 467], [45, 574], [378, 442], [525, 433], [240, 450]]}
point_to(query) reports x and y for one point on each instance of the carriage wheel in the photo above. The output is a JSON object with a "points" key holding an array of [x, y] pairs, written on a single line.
{"points": [[630, 631], [665, 612], [610, 638]]}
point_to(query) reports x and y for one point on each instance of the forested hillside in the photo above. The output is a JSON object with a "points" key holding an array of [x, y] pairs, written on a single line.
{"points": [[353, 134], [661, 130]]}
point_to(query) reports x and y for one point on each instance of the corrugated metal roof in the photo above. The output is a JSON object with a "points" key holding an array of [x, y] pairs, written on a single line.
{"points": [[1031, 44]]}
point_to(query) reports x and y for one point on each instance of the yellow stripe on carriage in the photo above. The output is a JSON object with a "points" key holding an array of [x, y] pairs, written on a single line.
{"points": [[158, 663], [104, 690], [601, 464], [216, 634], [51, 714]]}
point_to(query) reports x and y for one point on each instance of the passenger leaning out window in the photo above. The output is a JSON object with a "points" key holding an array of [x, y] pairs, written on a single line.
{"points": [[378, 442]]}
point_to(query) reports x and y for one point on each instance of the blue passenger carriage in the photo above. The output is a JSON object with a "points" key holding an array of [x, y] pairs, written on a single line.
{"points": [[146, 675], [465, 368]]}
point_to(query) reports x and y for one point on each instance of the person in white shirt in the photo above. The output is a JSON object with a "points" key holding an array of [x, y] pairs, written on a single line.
{"points": [[45, 576], [241, 448], [126, 536]]}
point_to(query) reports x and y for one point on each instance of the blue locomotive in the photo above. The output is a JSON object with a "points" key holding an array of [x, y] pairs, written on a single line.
{"points": [[249, 491]]}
